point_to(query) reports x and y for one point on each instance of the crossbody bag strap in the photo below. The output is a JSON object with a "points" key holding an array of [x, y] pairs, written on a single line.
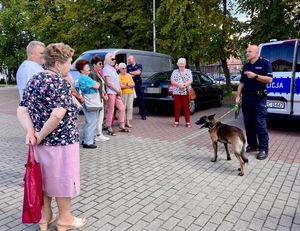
{"points": [[181, 76]]}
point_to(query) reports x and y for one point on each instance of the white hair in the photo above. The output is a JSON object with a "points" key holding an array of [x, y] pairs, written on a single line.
{"points": [[31, 46], [107, 57], [121, 65], [181, 60]]}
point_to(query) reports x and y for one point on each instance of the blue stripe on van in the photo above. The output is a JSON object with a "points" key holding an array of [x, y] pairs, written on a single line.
{"points": [[280, 85], [297, 88]]}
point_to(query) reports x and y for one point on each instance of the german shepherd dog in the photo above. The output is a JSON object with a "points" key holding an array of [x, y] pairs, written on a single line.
{"points": [[227, 135]]}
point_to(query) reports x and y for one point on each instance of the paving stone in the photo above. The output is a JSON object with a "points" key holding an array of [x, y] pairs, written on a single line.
{"points": [[163, 181]]}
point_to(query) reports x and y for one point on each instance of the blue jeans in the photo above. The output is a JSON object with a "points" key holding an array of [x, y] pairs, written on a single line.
{"points": [[90, 126]]}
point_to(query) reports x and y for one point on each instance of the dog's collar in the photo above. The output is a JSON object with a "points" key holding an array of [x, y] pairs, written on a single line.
{"points": [[212, 125]]}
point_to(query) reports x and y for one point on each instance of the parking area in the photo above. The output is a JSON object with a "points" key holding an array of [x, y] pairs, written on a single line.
{"points": [[161, 178]]}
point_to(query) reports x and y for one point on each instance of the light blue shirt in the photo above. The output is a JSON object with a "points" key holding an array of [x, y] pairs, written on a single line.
{"points": [[114, 78], [26, 70]]}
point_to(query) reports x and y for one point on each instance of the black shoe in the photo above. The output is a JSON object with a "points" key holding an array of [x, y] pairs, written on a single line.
{"points": [[89, 146], [143, 117], [262, 155], [250, 149]]}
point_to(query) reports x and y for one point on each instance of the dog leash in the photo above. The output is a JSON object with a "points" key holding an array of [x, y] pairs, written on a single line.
{"points": [[236, 110]]}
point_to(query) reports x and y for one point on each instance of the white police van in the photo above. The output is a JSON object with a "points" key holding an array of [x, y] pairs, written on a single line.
{"points": [[284, 92], [152, 62]]}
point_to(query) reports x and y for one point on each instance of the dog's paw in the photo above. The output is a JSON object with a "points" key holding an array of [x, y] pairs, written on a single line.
{"points": [[239, 169], [228, 158]]}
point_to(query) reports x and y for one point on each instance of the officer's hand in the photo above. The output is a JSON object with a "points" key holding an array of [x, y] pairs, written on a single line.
{"points": [[250, 74]]}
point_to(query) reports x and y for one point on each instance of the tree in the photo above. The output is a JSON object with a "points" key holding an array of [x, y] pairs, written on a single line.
{"points": [[14, 36], [271, 19]]}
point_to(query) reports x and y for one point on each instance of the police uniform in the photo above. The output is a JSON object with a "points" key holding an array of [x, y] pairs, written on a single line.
{"points": [[254, 104], [138, 88]]}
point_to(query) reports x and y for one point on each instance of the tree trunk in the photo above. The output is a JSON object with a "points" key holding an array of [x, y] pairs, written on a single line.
{"points": [[227, 76]]}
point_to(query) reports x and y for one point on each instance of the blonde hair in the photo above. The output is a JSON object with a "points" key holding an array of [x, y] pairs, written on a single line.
{"points": [[107, 57], [57, 52]]}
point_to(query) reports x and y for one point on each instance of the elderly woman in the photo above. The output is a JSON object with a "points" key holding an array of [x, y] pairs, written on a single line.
{"points": [[113, 87], [48, 115], [97, 63], [87, 86], [127, 85], [181, 79]]}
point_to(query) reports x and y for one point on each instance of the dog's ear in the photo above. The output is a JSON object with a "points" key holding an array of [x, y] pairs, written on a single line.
{"points": [[211, 116]]}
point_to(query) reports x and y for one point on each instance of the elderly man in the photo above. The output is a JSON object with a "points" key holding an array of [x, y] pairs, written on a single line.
{"points": [[135, 70], [31, 66], [255, 76]]}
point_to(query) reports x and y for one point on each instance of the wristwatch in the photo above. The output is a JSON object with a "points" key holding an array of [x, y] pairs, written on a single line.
{"points": [[256, 76]]}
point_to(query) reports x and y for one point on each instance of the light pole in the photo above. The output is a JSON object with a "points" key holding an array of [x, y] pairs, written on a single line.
{"points": [[154, 32]]}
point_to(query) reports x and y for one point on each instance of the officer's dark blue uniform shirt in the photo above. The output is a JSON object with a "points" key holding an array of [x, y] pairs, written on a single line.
{"points": [[134, 68], [260, 67]]}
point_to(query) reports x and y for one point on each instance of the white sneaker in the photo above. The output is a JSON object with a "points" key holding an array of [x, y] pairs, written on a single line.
{"points": [[101, 138]]}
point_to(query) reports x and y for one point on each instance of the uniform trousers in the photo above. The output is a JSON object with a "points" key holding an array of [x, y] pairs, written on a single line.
{"points": [[255, 113]]}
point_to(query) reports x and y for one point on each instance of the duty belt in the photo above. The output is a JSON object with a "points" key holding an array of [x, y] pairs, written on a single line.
{"points": [[256, 94]]}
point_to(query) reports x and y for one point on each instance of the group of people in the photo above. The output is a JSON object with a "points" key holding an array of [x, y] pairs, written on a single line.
{"points": [[48, 113]]}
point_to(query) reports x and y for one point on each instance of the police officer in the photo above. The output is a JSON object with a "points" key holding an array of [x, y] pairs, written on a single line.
{"points": [[135, 70], [255, 76]]}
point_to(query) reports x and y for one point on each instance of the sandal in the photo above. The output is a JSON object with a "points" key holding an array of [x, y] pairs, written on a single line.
{"points": [[111, 133], [123, 130], [76, 224], [188, 125], [128, 125], [176, 124], [44, 226]]}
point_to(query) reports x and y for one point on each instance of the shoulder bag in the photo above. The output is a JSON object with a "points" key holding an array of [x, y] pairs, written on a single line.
{"points": [[92, 102], [33, 190], [191, 95]]}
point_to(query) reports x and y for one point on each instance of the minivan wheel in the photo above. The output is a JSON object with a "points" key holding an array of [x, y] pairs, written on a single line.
{"points": [[192, 106]]}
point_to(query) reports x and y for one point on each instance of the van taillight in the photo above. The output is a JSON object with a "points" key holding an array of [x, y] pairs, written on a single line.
{"points": [[170, 91]]}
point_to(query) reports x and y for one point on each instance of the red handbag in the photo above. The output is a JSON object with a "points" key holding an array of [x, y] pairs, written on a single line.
{"points": [[33, 190]]}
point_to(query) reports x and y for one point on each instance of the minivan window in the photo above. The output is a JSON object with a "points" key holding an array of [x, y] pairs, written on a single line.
{"points": [[88, 56], [279, 55]]}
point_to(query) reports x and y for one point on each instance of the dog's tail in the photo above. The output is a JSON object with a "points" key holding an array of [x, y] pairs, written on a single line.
{"points": [[243, 151]]}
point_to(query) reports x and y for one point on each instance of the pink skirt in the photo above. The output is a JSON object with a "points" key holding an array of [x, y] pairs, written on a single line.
{"points": [[60, 169]]}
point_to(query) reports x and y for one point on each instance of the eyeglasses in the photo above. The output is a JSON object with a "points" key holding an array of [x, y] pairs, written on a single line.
{"points": [[113, 59]]}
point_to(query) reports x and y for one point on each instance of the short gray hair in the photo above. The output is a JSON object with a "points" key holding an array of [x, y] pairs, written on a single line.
{"points": [[31, 46], [181, 60], [121, 65]]}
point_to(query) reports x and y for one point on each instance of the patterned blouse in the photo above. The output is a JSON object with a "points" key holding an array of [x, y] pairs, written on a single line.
{"points": [[187, 75], [45, 92]]}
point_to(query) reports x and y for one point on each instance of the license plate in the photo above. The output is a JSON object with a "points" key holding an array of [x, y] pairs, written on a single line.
{"points": [[279, 105], [152, 90]]}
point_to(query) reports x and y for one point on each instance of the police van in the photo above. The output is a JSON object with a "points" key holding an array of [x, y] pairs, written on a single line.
{"points": [[284, 92], [152, 62]]}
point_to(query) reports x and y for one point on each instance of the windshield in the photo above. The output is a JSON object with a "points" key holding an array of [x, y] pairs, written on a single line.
{"points": [[88, 56]]}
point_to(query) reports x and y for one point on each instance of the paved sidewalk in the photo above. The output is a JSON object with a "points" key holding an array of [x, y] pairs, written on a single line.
{"points": [[161, 178]]}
